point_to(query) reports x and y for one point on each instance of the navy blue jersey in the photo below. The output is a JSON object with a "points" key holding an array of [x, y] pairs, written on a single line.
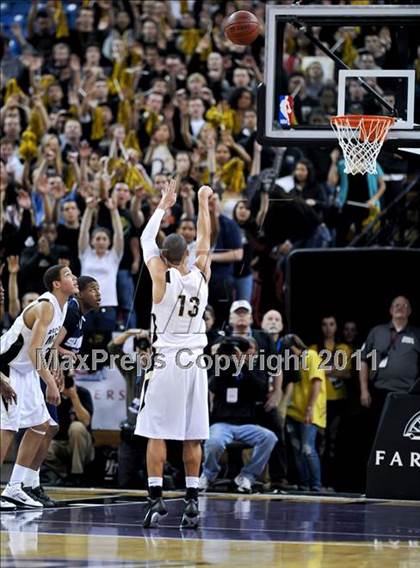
{"points": [[74, 324]]}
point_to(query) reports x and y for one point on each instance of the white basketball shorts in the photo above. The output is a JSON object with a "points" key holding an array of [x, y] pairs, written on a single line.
{"points": [[176, 402], [30, 409]]}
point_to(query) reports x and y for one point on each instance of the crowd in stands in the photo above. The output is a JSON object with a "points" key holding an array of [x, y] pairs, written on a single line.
{"points": [[101, 106]]}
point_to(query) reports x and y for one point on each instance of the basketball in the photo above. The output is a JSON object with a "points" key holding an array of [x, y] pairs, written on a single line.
{"points": [[242, 27]]}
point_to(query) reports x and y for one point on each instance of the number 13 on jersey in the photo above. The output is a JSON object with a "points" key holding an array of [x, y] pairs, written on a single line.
{"points": [[192, 306]]}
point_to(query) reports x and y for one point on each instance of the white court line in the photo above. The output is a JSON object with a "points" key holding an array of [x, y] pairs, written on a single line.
{"points": [[257, 496], [258, 542], [83, 505], [227, 529]]}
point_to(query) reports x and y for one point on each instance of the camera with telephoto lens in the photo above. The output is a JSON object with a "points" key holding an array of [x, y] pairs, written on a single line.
{"points": [[229, 345], [142, 343]]}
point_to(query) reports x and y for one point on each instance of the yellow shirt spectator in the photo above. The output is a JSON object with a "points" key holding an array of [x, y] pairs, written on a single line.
{"points": [[336, 386], [302, 391]]}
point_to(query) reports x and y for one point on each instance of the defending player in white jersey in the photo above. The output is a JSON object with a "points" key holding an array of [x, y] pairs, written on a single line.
{"points": [[22, 360], [176, 399]]}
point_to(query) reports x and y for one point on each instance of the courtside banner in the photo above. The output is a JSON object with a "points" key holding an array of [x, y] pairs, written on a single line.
{"points": [[108, 390], [394, 463]]}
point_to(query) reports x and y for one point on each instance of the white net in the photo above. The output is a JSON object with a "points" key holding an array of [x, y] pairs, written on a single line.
{"points": [[361, 138]]}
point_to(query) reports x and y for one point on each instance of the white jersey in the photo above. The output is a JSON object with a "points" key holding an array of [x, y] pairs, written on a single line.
{"points": [[177, 321], [15, 342]]}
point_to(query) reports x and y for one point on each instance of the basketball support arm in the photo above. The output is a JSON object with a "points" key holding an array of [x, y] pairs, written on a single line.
{"points": [[303, 28]]}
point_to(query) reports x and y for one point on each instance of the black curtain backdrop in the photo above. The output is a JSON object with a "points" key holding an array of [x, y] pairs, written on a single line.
{"points": [[351, 284]]}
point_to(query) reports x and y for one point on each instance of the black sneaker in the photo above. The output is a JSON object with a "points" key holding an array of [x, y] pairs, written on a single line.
{"points": [[156, 511], [39, 494], [191, 515]]}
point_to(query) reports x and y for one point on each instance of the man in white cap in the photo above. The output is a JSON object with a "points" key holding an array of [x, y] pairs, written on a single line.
{"points": [[240, 320]]}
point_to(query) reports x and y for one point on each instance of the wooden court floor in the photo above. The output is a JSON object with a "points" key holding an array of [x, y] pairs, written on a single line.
{"points": [[104, 528]]}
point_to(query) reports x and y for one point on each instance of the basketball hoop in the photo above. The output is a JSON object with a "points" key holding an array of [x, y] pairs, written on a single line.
{"points": [[361, 138]]}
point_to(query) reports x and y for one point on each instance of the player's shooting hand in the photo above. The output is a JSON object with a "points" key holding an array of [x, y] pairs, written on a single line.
{"points": [[205, 192], [168, 198]]}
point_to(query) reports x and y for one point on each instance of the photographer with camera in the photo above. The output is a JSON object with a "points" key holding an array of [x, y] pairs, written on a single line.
{"points": [[234, 399], [132, 449], [72, 448]]}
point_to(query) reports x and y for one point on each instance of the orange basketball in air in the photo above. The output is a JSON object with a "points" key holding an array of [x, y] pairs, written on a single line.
{"points": [[242, 27]]}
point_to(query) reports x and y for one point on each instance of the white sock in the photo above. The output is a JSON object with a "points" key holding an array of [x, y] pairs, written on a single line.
{"points": [[191, 482], [30, 475], [35, 481], [155, 481], [18, 474]]}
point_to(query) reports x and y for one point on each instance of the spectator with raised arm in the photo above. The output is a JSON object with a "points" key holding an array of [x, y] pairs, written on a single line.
{"points": [[100, 258]]}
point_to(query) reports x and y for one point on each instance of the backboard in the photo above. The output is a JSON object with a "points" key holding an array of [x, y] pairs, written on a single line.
{"points": [[303, 87]]}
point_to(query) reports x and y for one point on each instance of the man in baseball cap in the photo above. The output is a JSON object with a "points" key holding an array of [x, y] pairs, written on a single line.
{"points": [[240, 305], [267, 415], [240, 321]]}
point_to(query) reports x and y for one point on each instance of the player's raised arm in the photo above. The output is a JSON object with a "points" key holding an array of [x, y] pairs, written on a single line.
{"points": [[151, 252], [204, 231]]}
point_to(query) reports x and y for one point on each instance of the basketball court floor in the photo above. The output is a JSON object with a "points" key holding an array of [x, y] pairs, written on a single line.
{"points": [[104, 528]]}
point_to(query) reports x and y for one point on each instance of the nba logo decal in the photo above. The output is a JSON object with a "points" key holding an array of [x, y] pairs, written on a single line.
{"points": [[286, 114]]}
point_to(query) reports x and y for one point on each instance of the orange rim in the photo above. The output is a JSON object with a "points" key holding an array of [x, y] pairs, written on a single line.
{"points": [[372, 127]]}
